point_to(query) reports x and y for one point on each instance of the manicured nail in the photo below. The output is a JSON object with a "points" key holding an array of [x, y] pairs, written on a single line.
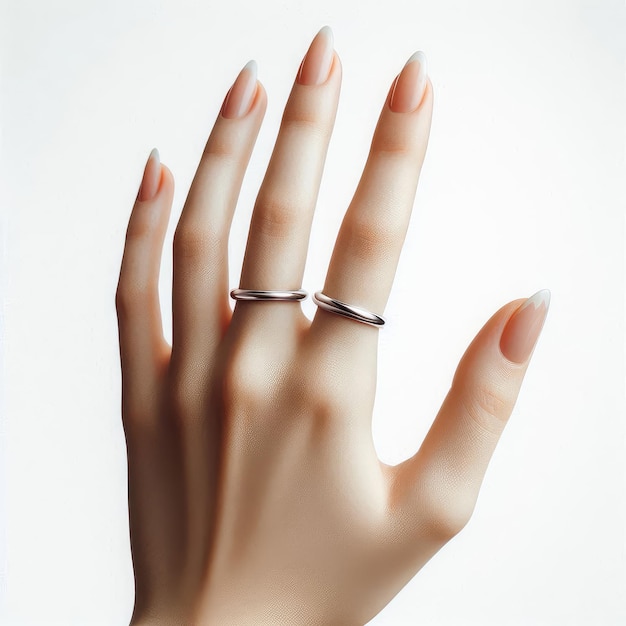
{"points": [[315, 68], [522, 330], [240, 96], [410, 85], [151, 177]]}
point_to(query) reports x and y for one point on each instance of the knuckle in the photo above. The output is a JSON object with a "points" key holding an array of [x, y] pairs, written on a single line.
{"points": [[327, 392], [369, 239], [138, 228], [131, 296], [137, 420], [121, 301], [244, 385], [386, 142], [194, 242], [487, 406], [318, 396], [445, 516], [298, 120], [276, 217], [446, 524], [142, 225], [219, 148], [133, 412]]}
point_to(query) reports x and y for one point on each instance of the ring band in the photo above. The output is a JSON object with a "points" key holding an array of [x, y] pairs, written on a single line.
{"points": [[256, 294], [347, 310]]}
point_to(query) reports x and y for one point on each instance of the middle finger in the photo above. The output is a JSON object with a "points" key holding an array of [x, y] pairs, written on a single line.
{"points": [[281, 222]]}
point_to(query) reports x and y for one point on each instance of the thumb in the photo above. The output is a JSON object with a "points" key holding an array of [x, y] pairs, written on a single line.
{"points": [[436, 489]]}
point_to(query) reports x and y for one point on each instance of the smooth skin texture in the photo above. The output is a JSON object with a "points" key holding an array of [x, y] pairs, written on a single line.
{"points": [[255, 492]]}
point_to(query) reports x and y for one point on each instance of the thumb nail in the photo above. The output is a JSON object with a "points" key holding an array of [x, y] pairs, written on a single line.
{"points": [[522, 330]]}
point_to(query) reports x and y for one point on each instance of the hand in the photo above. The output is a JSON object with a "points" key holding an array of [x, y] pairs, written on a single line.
{"points": [[255, 493]]}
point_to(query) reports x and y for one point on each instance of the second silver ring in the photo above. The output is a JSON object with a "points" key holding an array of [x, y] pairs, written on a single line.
{"points": [[347, 310]]}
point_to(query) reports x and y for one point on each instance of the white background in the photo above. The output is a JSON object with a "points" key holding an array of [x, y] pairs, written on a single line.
{"points": [[522, 188]]}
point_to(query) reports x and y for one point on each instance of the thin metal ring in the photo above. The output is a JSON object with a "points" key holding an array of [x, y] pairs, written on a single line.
{"points": [[347, 310], [256, 294]]}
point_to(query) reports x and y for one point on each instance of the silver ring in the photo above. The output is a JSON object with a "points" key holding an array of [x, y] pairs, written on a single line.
{"points": [[347, 310], [256, 294]]}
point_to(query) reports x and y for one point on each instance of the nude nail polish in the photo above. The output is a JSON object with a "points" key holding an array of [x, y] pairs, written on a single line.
{"points": [[240, 96], [408, 90], [315, 67], [151, 177], [521, 332]]}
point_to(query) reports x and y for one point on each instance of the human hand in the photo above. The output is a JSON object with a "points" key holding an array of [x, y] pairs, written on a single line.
{"points": [[255, 492]]}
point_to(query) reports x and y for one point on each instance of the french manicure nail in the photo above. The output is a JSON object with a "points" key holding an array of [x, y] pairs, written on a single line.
{"points": [[410, 85], [522, 330], [240, 96], [151, 177], [315, 68]]}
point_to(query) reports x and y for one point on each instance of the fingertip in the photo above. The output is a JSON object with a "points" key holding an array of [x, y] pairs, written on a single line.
{"points": [[429, 90], [523, 327], [336, 65], [152, 213], [260, 98], [167, 179], [165, 194], [316, 67], [151, 180], [483, 352]]}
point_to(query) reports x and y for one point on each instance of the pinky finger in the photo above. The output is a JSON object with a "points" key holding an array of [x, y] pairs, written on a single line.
{"points": [[143, 349]]}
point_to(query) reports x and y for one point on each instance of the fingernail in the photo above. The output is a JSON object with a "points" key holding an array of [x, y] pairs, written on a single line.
{"points": [[522, 330], [410, 85], [240, 96], [315, 67], [151, 177]]}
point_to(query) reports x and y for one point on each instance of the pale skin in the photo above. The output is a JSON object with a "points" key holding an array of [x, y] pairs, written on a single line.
{"points": [[255, 492]]}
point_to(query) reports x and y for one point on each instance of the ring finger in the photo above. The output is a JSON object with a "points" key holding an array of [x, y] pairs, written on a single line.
{"points": [[370, 239]]}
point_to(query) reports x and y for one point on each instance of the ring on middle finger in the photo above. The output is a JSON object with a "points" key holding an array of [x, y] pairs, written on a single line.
{"points": [[292, 295]]}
